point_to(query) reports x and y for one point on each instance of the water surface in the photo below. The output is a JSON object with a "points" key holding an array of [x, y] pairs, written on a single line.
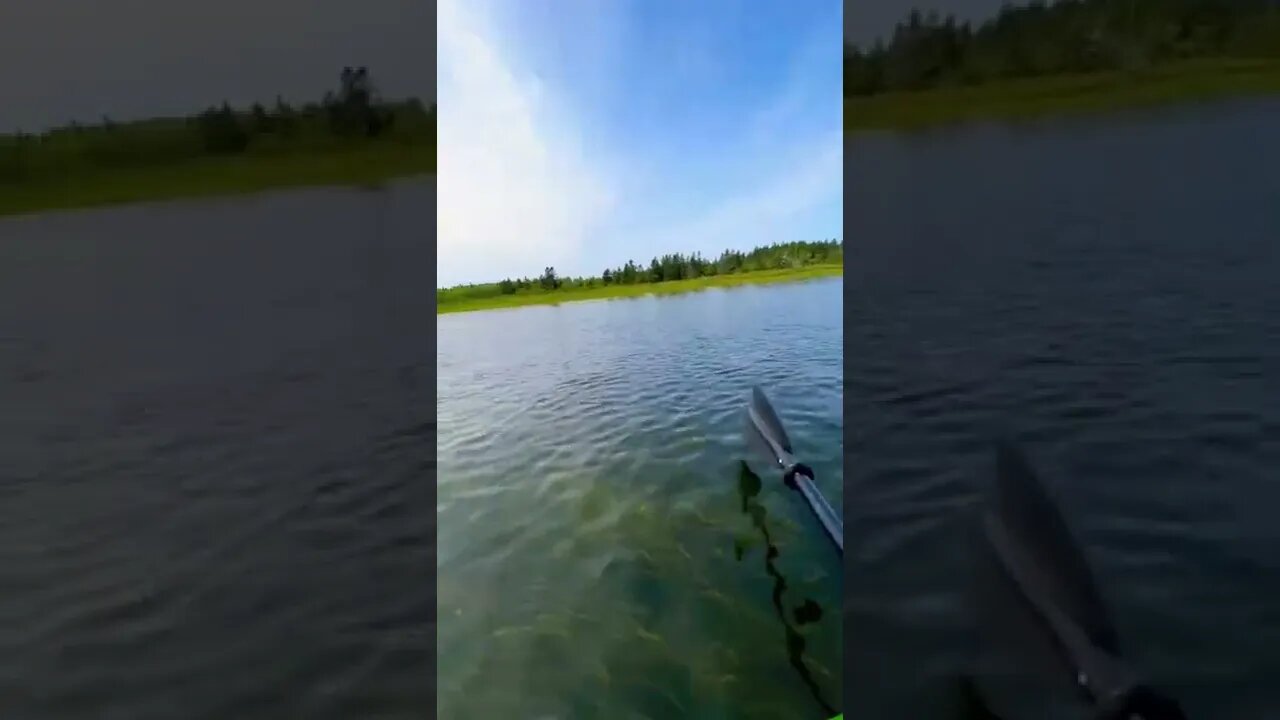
{"points": [[215, 453], [596, 558], [1104, 289]]}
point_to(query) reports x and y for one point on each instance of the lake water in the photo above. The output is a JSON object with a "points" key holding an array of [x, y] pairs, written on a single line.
{"points": [[215, 459], [216, 446], [590, 514], [1107, 290]]}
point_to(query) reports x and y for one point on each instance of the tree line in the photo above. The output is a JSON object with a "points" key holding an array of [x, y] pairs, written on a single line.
{"points": [[352, 113], [664, 268], [927, 50]]}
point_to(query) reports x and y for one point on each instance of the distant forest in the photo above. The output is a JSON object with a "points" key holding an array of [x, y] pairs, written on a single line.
{"points": [[1068, 36], [351, 114], [664, 269]]}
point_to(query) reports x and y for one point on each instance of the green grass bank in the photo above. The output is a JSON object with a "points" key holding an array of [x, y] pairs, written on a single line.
{"points": [[359, 165], [351, 137], [577, 294], [1183, 82]]}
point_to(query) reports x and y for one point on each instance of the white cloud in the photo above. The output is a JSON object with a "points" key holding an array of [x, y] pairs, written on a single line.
{"points": [[514, 190]]}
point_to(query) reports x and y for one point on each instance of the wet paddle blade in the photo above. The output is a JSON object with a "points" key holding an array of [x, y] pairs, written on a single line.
{"points": [[1031, 545], [1056, 571], [765, 431], [1016, 646]]}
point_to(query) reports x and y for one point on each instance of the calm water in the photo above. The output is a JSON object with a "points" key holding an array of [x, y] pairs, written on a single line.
{"points": [[590, 516], [1108, 291], [215, 454]]}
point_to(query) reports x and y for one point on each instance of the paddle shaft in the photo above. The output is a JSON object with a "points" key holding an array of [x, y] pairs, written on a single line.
{"points": [[831, 522], [768, 429]]}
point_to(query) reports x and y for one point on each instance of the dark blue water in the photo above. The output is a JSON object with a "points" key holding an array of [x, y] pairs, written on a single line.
{"points": [[215, 456], [1108, 291]]}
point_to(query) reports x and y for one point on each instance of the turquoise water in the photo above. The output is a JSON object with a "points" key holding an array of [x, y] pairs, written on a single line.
{"points": [[597, 555]]}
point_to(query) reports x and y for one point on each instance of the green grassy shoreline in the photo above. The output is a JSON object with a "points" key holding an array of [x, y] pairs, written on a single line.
{"points": [[640, 289], [251, 173], [1034, 98]]}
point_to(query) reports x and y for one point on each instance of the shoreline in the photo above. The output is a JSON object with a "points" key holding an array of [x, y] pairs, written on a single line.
{"points": [[219, 177], [674, 287], [1063, 95]]}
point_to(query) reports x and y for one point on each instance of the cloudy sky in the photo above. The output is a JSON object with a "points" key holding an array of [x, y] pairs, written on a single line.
{"points": [[80, 59], [580, 134]]}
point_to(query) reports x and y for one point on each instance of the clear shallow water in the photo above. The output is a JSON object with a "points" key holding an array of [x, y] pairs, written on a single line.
{"points": [[1106, 290], [589, 509], [215, 455]]}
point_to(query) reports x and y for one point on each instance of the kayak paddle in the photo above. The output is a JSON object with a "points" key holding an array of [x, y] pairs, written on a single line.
{"points": [[1034, 550], [765, 431]]}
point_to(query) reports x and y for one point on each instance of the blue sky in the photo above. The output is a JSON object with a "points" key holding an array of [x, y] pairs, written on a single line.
{"points": [[580, 133]]}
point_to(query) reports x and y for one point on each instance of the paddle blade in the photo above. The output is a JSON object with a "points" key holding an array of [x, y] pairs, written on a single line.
{"points": [[1046, 571], [1015, 645], [765, 431], [1057, 571]]}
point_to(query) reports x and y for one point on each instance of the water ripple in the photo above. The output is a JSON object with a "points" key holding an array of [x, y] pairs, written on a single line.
{"points": [[211, 518], [596, 471], [1121, 323]]}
